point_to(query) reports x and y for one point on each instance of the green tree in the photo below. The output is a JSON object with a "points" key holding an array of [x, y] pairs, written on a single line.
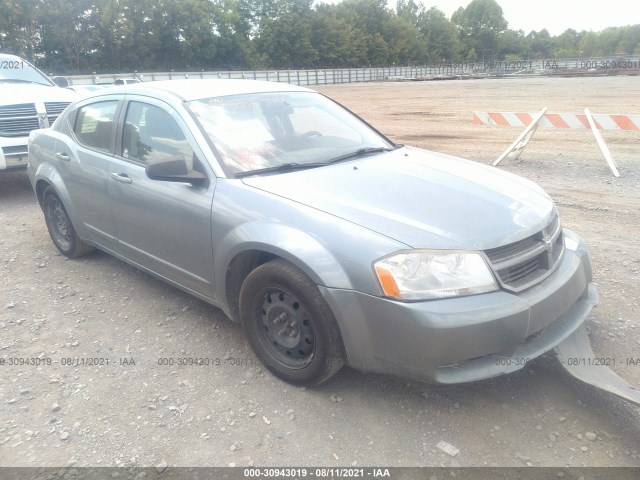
{"points": [[369, 16], [566, 45], [389, 38], [480, 25], [233, 31], [66, 34], [186, 34], [338, 43], [513, 44], [107, 20], [630, 42], [152, 35], [440, 36], [406, 45], [588, 45], [284, 41], [410, 11], [19, 27], [540, 44], [611, 41]]}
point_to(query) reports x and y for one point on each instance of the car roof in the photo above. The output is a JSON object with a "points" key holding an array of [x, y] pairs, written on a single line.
{"points": [[194, 89]]}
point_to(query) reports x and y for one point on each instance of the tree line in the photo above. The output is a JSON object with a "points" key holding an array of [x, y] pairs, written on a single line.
{"points": [[84, 36]]}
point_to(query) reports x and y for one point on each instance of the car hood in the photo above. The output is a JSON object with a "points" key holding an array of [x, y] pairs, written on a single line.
{"points": [[421, 198], [17, 93]]}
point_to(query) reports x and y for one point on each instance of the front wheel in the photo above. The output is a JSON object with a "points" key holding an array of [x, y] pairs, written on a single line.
{"points": [[289, 324]]}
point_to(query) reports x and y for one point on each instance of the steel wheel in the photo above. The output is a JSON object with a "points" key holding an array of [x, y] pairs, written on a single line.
{"points": [[286, 330], [60, 227], [289, 324]]}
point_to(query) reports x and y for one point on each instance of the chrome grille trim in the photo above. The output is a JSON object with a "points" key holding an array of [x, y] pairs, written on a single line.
{"points": [[521, 265], [54, 109], [18, 120], [20, 110]]}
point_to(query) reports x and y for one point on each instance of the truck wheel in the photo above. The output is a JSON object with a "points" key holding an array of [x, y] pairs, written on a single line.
{"points": [[289, 324]]}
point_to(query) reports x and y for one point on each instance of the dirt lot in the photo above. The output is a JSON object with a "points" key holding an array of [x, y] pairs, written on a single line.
{"points": [[134, 411]]}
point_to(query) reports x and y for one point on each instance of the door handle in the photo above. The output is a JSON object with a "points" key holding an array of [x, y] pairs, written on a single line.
{"points": [[63, 156], [121, 177]]}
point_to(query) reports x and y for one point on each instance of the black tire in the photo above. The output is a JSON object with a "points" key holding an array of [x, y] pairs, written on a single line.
{"points": [[61, 230], [289, 324]]}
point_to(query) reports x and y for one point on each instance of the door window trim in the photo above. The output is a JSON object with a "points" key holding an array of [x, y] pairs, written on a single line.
{"points": [[73, 118], [119, 137]]}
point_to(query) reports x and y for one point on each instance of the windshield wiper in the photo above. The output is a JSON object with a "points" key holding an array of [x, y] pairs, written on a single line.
{"points": [[363, 151], [285, 167], [288, 167]]}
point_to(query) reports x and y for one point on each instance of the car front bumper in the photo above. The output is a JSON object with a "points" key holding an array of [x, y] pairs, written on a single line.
{"points": [[13, 154], [469, 338]]}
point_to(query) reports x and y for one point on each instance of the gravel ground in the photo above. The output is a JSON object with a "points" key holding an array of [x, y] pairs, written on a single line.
{"points": [[116, 404]]}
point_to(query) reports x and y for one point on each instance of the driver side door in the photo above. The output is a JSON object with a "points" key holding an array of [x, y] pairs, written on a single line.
{"points": [[164, 227]]}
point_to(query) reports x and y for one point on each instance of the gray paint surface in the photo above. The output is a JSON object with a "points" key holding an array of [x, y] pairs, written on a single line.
{"points": [[332, 222]]}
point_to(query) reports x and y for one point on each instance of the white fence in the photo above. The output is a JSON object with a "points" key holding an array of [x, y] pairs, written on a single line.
{"points": [[296, 77], [620, 65]]}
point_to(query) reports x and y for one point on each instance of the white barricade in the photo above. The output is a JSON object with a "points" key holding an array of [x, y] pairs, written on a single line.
{"points": [[557, 120]]}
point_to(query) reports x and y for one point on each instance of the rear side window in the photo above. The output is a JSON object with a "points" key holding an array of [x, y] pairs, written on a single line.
{"points": [[94, 124]]}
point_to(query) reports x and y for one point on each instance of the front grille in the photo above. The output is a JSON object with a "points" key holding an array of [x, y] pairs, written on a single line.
{"points": [[22, 110], [19, 120], [54, 109], [18, 127], [522, 264]]}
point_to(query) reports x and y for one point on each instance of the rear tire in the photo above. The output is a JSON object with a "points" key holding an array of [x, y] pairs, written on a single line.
{"points": [[289, 324], [61, 230]]}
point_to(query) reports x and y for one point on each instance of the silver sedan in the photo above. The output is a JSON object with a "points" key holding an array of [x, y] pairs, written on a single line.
{"points": [[330, 243]]}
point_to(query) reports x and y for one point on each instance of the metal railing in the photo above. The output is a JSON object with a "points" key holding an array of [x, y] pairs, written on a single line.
{"points": [[615, 65]]}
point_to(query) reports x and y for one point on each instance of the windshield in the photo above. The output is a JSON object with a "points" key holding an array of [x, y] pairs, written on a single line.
{"points": [[253, 132], [15, 69]]}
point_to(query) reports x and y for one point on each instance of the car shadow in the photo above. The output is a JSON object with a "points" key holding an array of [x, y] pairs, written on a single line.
{"points": [[15, 186], [505, 392], [540, 385]]}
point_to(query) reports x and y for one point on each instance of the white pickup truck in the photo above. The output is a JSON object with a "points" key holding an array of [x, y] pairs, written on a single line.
{"points": [[28, 100]]}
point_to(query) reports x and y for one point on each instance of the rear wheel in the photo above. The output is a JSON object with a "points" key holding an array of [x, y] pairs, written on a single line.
{"points": [[60, 228], [289, 324]]}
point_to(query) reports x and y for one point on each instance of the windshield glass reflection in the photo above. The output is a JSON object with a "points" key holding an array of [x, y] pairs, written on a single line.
{"points": [[265, 130]]}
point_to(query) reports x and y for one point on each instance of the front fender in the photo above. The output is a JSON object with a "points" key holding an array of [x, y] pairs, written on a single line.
{"points": [[291, 244], [250, 224]]}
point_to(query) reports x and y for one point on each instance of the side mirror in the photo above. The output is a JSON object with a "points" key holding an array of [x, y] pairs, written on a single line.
{"points": [[175, 170], [60, 81]]}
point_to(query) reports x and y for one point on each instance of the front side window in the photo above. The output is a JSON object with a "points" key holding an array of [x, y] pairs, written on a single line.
{"points": [[266, 130], [94, 124], [152, 135]]}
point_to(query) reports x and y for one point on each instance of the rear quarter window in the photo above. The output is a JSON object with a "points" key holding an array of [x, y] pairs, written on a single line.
{"points": [[93, 126]]}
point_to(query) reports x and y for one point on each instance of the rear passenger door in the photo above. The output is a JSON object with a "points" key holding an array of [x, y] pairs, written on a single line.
{"points": [[162, 226], [83, 162]]}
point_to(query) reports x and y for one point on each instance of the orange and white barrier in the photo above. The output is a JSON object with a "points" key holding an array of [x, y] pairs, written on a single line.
{"points": [[557, 120]]}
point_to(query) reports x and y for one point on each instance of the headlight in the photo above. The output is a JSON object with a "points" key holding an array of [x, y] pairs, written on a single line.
{"points": [[429, 274]]}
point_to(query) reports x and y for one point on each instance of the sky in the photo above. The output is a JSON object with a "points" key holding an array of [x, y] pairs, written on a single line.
{"points": [[556, 15]]}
